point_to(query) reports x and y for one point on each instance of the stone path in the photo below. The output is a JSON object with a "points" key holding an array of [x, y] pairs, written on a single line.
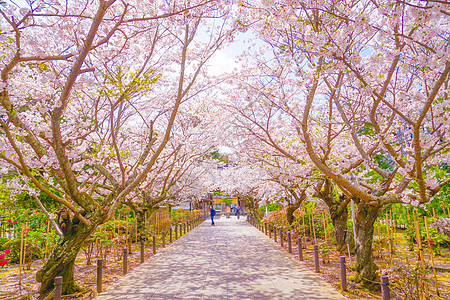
{"points": [[231, 260]]}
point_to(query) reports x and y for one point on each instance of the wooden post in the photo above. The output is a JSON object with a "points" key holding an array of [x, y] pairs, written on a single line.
{"points": [[275, 234], [281, 236], [316, 258], [154, 245], [142, 251], [385, 293], [289, 242], [99, 275], [170, 233], [58, 288], [343, 273], [300, 247], [163, 236], [270, 232], [125, 261], [176, 231]]}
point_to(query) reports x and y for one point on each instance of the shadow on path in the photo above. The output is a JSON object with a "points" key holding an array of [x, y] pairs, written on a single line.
{"points": [[231, 260]]}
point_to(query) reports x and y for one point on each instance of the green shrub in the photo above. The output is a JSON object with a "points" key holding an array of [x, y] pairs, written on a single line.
{"points": [[14, 246], [3, 241], [436, 238], [270, 207]]}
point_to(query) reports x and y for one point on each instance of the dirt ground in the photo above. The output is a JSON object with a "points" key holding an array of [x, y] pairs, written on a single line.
{"points": [[403, 280], [86, 275]]}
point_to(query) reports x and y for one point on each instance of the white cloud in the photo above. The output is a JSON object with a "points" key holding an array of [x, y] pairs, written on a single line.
{"points": [[221, 63]]}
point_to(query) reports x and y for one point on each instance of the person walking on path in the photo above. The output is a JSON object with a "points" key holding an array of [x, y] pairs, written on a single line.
{"points": [[213, 213], [238, 210]]}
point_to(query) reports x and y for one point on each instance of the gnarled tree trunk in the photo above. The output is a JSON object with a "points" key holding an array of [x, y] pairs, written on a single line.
{"points": [[338, 212], [293, 207], [339, 217], [366, 216], [290, 211], [62, 259]]}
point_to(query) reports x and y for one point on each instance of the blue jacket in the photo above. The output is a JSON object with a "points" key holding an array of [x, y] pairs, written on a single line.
{"points": [[213, 212]]}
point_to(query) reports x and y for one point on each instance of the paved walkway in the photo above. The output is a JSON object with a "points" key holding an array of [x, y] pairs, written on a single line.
{"points": [[231, 260]]}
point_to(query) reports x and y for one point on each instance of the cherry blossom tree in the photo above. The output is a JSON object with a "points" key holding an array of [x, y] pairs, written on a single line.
{"points": [[246, 182], [179, 171], [90, 92], [382, 69]]}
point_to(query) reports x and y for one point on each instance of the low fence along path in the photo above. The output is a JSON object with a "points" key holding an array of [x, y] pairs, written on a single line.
{"points": [[231, 260]]}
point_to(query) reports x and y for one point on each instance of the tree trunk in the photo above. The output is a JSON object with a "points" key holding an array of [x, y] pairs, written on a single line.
{"points": [[339, 214], [366, 216], [62, 259], [140, 215], [339, 219], [290, 211], [250, 203]]}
